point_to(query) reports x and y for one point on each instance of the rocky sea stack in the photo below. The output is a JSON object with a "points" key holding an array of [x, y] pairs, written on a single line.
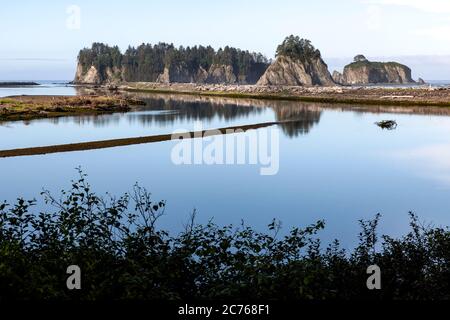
{"points": [[165, 63], [363, 71], [297, 63]]}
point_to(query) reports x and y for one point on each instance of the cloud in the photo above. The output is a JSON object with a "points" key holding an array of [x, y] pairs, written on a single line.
{"points": [[441, 33], [431, 6], [431, 162], [436, 156], [373, 20]]}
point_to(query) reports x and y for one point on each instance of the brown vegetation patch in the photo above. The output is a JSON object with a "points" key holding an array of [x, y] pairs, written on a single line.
{"points": [[32, 107]]}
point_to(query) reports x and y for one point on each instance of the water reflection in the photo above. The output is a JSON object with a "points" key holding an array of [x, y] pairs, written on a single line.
{"points": [[343, 172], [171, 110], [164, 113], [58, 88], [429, 161], [305, 118], [166, 110], [203, 108]]}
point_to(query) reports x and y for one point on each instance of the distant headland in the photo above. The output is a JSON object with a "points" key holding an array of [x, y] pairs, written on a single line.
{"points": [[363, 71], [17, 84]]}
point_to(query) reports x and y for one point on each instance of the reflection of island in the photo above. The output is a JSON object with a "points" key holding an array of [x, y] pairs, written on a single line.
{"points": [[160, 110], [168, 108], [305, 118]]}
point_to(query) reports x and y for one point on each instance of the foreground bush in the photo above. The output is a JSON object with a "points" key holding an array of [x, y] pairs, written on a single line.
{"points": [[123, 255]]}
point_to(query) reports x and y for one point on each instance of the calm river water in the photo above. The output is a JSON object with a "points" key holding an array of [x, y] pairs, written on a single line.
{"points": [[334, 163]]}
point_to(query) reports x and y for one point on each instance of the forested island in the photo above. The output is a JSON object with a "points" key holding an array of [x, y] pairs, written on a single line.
{"points": [[297, 63], [165, 63], [363, 71], [298, 73]]}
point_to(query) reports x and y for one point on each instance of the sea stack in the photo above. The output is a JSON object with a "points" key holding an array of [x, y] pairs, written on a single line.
{"points": [[363, 71], [297, 63]]}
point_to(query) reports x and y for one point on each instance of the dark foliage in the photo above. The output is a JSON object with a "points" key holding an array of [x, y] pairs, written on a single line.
{"points": [[298, 49], [100, 56], [123, 255], [360, 58], [387, 124], [147, 62]]}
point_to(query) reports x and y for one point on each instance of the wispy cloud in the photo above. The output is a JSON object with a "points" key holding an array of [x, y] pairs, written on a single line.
{"points": [[441, 33], [374, 15], [432, 162], [431, 6]]}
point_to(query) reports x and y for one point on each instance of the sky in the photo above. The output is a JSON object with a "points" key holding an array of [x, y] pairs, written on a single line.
{"points": [[40, 40]]}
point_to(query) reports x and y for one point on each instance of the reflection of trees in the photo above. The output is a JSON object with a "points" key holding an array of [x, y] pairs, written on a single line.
{"points": [[192, 109], [167, 109], [164, 109], [198, 107], [305, 117], [101, 120], [171, 110]]}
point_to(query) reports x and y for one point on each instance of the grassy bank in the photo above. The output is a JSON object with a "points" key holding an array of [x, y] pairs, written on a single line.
{"points": [[33, 107], [124, 255]]}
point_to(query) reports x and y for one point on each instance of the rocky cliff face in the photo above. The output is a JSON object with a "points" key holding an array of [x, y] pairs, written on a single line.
{"points": [[217, 74], [421, 81], [338, 77], [181, 74], [288, 71], [164, 63], [91, 75], [88, 76], [363, 71], [221, 74]]}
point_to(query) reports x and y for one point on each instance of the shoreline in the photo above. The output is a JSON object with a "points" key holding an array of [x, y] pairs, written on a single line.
{"points": [[102, 101], [22, 108], [386, 96], [7, 84]]}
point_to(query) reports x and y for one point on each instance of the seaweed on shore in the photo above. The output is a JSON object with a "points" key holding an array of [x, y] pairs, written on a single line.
{"points": [[387, 124]]}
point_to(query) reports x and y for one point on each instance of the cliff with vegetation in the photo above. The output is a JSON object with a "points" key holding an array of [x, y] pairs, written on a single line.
{"points": [[102, 64], [298, 63], [363, 71]]}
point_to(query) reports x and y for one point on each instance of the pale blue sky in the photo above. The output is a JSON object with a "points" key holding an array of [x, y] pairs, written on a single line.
{"points": [[37, 44]]}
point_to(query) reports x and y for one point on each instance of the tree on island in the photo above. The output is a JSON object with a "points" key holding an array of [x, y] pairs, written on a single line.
{"points": [[100, 56], [360, 58], [147, 61], [297, 48]]}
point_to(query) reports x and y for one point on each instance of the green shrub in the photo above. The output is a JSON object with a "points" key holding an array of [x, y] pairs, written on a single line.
{"points": [[123, 255]]}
